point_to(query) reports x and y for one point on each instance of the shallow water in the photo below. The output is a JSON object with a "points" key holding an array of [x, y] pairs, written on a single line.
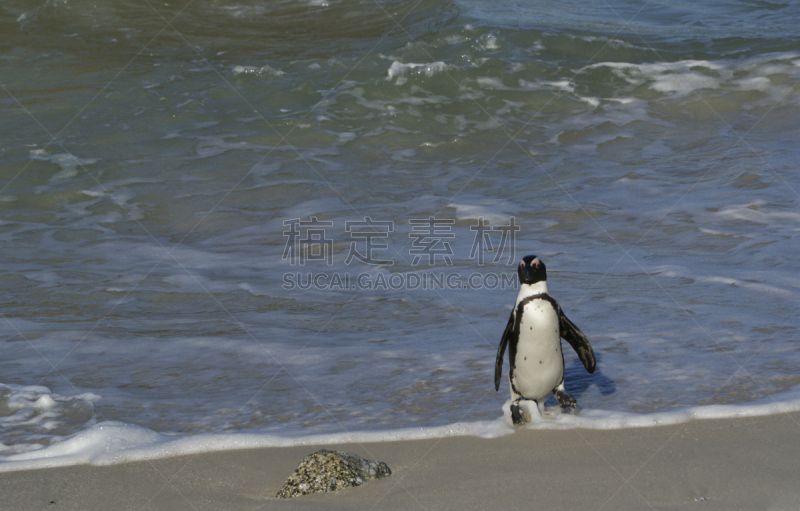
{"points": [[152, 174]]}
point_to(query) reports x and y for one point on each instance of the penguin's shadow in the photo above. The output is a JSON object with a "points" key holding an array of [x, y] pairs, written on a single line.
{"points": [[577, 381]]}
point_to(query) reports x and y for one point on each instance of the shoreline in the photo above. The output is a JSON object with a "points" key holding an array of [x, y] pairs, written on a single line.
{"points": [[735, 463]]}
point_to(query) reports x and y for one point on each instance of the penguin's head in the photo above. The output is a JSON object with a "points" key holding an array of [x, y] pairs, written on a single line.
{"points": [[531, 270]]}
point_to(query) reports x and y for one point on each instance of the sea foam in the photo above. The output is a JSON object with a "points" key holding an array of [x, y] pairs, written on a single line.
{"points": [[112, 442], [398, 69]]}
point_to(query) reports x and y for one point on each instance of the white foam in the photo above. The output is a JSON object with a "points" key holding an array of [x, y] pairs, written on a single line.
{"points": [[592, 101], [41, 415], [489, 42], [454, 39], [760, 83], [613, 43], [113, 442], [679, 78], [399, 69], [686, 76], [564, 85], [487, 212], [491, 82], [265, 70], [685, 83], [755, 212]]}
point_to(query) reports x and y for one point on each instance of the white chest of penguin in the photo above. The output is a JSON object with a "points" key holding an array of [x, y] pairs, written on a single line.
{"points": [[539, 362]]}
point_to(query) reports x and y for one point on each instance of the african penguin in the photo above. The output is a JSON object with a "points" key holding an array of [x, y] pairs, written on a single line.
{"points": [[533, 336]]}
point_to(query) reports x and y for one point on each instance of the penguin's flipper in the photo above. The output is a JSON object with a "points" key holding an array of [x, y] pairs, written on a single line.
{"points": [[501, 350], [573, 335]]}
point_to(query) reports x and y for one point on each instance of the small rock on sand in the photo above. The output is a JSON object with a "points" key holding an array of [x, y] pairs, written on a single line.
{"points": [[329, 471]]}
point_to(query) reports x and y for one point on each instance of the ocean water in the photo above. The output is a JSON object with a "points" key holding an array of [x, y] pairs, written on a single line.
{"points": [[230, 224]]}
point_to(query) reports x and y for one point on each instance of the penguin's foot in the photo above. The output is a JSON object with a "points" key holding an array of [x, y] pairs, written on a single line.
{"points": [[516, 414], [519, 416], [567, 402]]}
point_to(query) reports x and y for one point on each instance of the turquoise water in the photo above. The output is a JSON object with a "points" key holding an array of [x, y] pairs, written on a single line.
{"points": [[154, 159]]}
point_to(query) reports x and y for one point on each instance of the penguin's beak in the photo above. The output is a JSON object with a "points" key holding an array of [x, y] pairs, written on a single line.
{"points": [[525, 270]]}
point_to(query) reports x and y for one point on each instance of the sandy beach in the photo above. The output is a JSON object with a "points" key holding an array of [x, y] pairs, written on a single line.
{"points": [[746, 463]]}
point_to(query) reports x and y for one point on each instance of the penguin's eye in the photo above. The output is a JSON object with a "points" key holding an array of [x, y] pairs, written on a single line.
{"points": [[522, 263]]}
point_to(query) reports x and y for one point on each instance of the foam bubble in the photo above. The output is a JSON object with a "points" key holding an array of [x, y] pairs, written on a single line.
{"points": [[475, 211], [265, 70], [489, 42], [399, 69], [491, 82]]}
